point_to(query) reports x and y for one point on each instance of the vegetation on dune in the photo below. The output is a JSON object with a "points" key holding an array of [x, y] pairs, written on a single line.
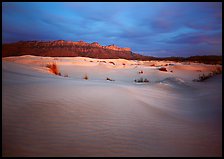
{"points": [[163, 69], [86, 77], [204, 77], [109, 79], [141, 80], [112, 62], [140, 72], [53, 68]]}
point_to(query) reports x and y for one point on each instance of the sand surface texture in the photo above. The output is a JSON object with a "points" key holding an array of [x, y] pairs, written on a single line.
{"points": [[48, 115]]}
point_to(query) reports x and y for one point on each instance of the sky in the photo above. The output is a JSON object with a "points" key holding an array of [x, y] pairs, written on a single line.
{"points": [[149, 28]]}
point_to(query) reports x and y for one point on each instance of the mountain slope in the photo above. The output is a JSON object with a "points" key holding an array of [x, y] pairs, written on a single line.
{"points": [[61, 48]]}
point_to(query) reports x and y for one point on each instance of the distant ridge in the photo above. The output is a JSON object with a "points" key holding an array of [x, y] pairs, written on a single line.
{"points": [[62, 48]]}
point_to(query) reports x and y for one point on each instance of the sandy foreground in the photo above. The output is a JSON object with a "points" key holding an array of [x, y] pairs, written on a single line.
{"points": [[48, 115]]}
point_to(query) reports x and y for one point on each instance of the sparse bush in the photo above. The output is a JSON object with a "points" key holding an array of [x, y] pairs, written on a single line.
{"points": [[90, 61], [163, 69], [112, 62], [141, 80], [217, 71], [140, 72], [86, 77], [109, 79], [146, 80], [204, 77], [53, 68]]}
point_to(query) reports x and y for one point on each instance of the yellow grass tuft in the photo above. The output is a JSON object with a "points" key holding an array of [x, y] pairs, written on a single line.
{"points": [[53, 68]]}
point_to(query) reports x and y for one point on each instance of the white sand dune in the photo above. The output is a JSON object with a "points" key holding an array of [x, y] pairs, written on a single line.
{"points": [[49, 115]]}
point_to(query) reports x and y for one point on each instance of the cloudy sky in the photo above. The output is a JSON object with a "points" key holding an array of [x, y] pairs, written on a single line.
{"points": [[149, 28]]}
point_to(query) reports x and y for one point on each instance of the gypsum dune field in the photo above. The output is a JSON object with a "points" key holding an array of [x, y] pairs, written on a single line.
{"points": [[49, 115]]}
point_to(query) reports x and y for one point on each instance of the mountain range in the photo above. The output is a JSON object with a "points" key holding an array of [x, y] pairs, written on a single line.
{"points": [[62, 48]]}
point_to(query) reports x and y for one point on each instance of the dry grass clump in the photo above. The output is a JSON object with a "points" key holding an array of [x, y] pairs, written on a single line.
{"points": [[108, 79], [140, 72], [86, 77], [112, 62], [141, 80], [163, 69], [53, 68], [217, 71], [204, 77]]}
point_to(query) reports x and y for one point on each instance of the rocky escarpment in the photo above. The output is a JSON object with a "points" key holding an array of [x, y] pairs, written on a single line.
{"points": [[63, 48]]}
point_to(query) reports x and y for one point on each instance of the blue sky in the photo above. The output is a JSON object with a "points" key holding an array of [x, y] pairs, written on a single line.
{"points": [[149, 28]]}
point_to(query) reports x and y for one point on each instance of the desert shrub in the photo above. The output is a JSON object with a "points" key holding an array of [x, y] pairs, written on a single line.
{"points": [[204, 77], [141, 80], [217, 71], [90, 61], [112, 62], [53, 68], [123, 63], [86, 77], [146, 80], [109, 79], [140, 72], [152, 65], [171, 71], [163, 69]]}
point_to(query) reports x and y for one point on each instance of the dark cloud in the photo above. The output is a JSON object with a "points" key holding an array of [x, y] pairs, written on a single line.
{"points": [[198, 38], [150, 28]]}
